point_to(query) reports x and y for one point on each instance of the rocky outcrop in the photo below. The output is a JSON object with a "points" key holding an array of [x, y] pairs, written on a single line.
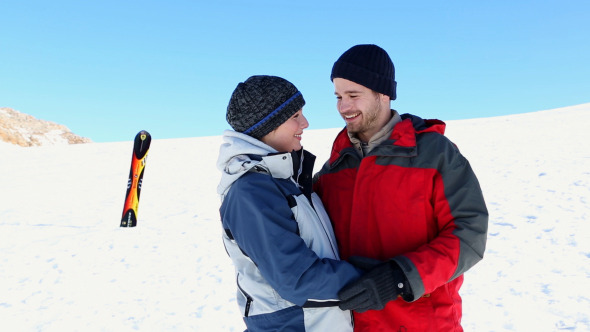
{"points": [[25, 130]]}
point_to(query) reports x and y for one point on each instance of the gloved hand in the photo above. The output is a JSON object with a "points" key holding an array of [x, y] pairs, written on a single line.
{"points": [[363, 263], [372, 291]]}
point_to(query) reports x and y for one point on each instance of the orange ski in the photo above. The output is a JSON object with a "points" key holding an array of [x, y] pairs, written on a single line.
{"points": [[141, 146]]}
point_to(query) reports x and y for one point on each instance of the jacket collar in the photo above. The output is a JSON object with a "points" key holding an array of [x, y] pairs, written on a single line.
{"points": [[297, 165], [382, 135], [401, 142]]}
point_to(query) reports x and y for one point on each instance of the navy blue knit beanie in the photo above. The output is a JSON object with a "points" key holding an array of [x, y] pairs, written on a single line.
{"points": [[367, 65], [261, 104]]}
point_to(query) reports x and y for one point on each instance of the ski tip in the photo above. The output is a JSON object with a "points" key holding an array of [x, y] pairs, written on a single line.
{"points": [[141, 143], [143, 135]]}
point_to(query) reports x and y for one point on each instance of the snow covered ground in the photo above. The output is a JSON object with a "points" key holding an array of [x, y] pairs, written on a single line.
{"points": [[66, 265]]}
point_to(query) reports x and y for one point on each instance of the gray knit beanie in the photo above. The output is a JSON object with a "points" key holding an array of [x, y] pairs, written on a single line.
{"points": [[368, 65], [261, 104]]}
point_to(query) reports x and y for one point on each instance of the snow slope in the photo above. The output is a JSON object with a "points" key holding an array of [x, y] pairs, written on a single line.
{"points": [[66, 265]]}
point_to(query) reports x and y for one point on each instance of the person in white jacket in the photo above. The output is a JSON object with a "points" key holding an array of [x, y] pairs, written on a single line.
{"points": [[276, 230]]}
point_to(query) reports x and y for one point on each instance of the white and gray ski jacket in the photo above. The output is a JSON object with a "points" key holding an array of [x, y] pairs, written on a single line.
{"points": [[280, 239]]}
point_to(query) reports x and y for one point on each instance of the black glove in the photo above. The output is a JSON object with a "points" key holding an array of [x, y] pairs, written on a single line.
{"points": [[372, 291], [364, 263]]}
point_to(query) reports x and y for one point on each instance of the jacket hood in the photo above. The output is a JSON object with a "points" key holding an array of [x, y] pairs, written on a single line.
{"points": [[425, 125], [240, 153], [235, 157]]}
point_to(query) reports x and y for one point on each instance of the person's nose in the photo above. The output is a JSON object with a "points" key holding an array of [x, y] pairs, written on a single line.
{"points": [[343, 105], [303, 123]]}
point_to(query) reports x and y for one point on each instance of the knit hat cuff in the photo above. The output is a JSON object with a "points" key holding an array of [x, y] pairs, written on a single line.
{"points": [[362, 76], [279, 115]]}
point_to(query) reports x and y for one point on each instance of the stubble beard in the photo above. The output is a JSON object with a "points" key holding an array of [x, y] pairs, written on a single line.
{"points": [[369, 121]]}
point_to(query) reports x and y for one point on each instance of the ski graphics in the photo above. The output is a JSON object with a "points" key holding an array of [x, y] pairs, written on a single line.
{"points": [[141, 145]]}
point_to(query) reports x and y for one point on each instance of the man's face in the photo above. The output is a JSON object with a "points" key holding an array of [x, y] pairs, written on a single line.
{"points": [[361, 108]]}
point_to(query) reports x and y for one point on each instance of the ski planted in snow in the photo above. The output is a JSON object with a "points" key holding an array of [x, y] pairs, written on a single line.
{"points": [[141, 145]]}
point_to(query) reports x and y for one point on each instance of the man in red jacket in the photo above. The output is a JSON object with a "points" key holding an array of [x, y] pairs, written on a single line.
{"points": [[405, 204]]}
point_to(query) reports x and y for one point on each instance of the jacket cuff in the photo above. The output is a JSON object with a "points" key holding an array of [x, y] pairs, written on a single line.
{"points": [[415, 288]]}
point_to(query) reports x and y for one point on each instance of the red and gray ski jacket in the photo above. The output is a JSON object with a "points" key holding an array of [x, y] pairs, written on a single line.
{"points": [[414, 199]]}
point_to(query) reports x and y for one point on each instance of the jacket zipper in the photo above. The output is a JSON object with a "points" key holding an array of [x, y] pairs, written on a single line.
{"points": [[248, 297], [332, 246]]}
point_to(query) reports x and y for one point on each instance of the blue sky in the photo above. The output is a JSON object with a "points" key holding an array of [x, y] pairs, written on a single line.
{"points": [[107, 69]]}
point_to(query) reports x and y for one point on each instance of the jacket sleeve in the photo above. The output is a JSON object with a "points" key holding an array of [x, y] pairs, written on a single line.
{"points": [[461, 218], [262, 223]]}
